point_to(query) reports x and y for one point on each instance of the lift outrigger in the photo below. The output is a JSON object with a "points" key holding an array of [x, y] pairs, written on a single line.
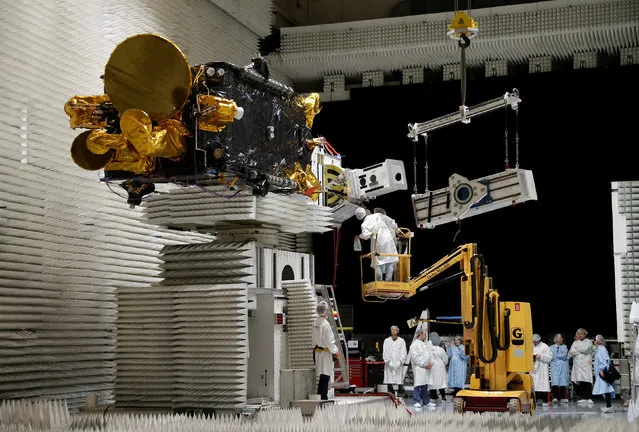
{"points": [[497, 335]]}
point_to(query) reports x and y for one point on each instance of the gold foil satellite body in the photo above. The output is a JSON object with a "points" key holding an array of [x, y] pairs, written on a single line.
{"points": [[307, 182], [216, 112], [311, 105], [158, 106], [84, 111], [149, 105]]}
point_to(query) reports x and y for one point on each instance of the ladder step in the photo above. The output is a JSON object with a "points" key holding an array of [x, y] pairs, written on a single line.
{"points": [[328, 294]]}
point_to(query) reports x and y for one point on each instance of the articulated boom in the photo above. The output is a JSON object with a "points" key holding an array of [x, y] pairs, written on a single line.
{"points": [[497, 335]]}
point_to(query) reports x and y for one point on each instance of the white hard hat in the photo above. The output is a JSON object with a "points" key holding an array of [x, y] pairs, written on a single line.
{"points": [[360, 213], [536, 337]]}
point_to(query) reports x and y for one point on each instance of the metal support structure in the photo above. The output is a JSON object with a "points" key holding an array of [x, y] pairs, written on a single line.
{"points": [[485, 194], [465, 114]]}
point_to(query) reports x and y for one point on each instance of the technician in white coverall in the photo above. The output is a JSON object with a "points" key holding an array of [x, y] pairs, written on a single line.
{"points": [[382, 230], [543, 356], [394, 354], [581, 352], [421, 357], [438, 372], [324, 342]]}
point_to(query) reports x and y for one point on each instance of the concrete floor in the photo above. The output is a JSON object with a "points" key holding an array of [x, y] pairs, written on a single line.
{"points": [[350, 400], [554, 410]]}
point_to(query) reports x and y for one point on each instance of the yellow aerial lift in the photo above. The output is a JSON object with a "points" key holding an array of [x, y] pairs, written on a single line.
{"points": [[497, 335]]}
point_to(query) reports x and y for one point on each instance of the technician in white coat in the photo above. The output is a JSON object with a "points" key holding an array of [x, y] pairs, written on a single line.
{"points": [[324, 342], [543, 356], [381, 229], [438, 371], [421, 358], [581, 352], [394, 354]]}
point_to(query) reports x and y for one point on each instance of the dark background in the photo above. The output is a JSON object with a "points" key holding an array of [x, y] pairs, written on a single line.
{"points": [[577, 134]]}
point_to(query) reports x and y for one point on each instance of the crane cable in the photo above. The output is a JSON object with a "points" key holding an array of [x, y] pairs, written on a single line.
{"points": [[464, 42], [336, 235], [415, 167], [517, 138], [506, 143], [506, 161], [426, 163]]}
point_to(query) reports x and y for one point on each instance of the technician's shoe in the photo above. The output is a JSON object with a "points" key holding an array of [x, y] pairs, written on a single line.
{"points": [[564, 401], [417, 405], [555, 401], [608, 409], [589, 402], [545, 404], [582, 402], [431, 405]]}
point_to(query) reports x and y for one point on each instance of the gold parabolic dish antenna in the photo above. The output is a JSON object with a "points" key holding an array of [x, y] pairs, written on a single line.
{"points": [[150, 73], [84, 158]]}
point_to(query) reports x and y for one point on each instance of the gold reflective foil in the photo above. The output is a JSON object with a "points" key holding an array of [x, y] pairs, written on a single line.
{"points": [[150, 73], [139, 143], [311, 108], [144, 165], [85, 158], [313, 186], [100, 142], [167, 139], [315, 142], [216, 112], [81, 111], [306, 181], [128, 159]]}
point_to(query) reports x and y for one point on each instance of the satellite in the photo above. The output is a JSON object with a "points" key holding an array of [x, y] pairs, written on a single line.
{"points": [[161, 120]]}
